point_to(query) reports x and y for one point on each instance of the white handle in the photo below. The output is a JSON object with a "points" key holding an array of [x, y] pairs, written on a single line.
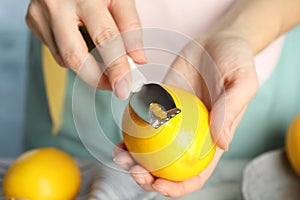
{"points": [[138, 79]]}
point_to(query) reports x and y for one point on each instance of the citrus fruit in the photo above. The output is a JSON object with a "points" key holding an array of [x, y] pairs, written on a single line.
{"points": [[293, 144], [43, 174], [177, 150]]}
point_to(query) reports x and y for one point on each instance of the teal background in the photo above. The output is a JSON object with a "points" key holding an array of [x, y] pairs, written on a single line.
{"points": [[13, 46], [276, 103]]}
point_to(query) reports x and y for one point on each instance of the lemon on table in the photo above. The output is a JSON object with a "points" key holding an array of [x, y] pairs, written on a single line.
{"points": [[293, 144], [179, 149], [43, 174]]}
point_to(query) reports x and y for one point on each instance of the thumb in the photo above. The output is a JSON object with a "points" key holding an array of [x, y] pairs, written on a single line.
{"points": [[228, 110], [113, 62], [119, 77], [116, 66]]}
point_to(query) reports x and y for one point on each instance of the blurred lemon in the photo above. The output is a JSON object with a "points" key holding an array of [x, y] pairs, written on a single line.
{"points": [[179, 149], [43, 174], [293, 144]]}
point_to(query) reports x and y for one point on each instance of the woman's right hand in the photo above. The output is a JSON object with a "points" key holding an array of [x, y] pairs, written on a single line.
{"points": [[56, 23]]}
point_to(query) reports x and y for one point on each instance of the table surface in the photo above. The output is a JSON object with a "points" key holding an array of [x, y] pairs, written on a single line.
{"points": [[100, 182]]}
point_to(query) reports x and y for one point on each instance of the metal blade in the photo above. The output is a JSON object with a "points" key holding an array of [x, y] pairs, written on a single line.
{"points": [[153, 104]]}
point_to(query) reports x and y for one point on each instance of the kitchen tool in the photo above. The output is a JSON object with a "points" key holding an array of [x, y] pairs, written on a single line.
{"points": [[151, 102]]}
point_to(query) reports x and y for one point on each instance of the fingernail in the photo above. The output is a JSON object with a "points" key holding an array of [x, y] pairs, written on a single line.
{"points": [[116, 151], [227, 134], [140, 55], [226, 138], [122, 162], [120, 159], [122, 89], [223, 142], [140, 181], [226, 143], [114, 154], [160, 189]]}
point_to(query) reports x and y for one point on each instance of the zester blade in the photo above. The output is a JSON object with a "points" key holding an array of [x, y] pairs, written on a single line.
{"points": [[153, 104]]}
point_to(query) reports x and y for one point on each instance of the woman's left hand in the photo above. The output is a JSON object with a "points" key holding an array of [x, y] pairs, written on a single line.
{"points": [[165, 187], [220, 71]]}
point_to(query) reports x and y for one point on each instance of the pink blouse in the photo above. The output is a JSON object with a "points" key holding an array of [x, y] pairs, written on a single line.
{"points": [[194, 17]]}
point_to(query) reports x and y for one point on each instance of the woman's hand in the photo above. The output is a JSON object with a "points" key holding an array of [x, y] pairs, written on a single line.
{"points": [[219, 70], [56, 23], [223, 75], [165, 187]]}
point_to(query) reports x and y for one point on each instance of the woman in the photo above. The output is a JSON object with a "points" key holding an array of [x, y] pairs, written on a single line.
{"points": [[232, 34]]}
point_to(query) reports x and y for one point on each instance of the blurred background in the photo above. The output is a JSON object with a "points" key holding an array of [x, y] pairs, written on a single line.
{"points": [[13, 53]]}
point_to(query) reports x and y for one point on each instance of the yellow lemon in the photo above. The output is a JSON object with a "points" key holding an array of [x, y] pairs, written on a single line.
{"points": [[293, 144], [179, 149], [43, 174]]}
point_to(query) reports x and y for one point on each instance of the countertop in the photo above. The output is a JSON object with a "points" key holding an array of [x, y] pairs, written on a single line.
{"points": [[100, 182]]}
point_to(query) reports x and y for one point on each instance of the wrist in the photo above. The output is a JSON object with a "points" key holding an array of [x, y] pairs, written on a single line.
{"points": [[258, 36], [232, 33], [252, 22]]}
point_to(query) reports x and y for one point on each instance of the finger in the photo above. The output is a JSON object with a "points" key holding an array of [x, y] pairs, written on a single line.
{"points": [[178, 189], [124, 160], [183, 75], [189, 72], [119, 148], [105, 35], [142, 177], [236, 123], [127, 20], [73, 49], [33, 25], [229, 107], [38, 24]]}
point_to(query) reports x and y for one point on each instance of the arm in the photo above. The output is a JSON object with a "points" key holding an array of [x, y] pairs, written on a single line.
{"points": [[243, 32], [260, 22], [56, 23]]}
